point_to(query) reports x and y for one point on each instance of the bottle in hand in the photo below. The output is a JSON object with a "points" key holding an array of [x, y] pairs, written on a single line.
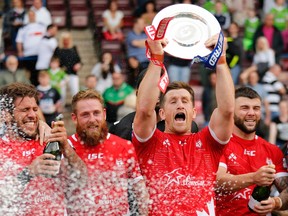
{"points": [[54, 147], [259, 193]]}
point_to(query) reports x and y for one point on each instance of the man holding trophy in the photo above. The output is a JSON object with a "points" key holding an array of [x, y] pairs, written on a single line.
{"points": [[180, 166]]}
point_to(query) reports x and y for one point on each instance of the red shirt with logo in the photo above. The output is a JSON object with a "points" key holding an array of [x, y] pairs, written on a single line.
{"points": [[40, 196], [241, 157], [180, 171], [112, 165]]}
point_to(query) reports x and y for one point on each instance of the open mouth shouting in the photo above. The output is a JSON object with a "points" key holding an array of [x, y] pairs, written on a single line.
{"points": [[180, 117]]}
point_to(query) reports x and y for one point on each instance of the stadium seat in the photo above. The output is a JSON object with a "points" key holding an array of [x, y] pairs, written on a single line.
{"points": [[79, 15], [114, 47], [160, 4], [59, 17], [99, 4]]}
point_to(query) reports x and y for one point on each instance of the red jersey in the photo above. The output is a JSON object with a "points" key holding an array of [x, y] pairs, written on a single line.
{"points": [[40, 196], [180, 172], [241, 157], [112, 165]]}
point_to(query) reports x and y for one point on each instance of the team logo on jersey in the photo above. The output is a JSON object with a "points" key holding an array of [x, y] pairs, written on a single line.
{"points": [[166, 142], [198, 144], [232, 157]]}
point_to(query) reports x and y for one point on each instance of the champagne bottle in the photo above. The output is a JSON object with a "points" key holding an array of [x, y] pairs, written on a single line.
{"points": [[54, 147], [259, 193]]}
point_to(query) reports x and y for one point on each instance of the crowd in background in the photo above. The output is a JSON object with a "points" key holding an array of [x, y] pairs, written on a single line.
{"points": [[257, 37], [257, 45]]}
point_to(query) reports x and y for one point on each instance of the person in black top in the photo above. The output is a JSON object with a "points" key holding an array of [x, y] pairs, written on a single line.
{"points": [[70, 60], [123, 128]]}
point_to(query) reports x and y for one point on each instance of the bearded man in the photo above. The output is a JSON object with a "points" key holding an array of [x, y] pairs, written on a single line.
{"points": [[111, 161], [249, 160], [33, 183]]}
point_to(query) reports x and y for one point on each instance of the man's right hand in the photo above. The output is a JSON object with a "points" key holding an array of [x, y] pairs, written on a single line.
{"points": [[44, 165], [156, 46], [265, 175]]}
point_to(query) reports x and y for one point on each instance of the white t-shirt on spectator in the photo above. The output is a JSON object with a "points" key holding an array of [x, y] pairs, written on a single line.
{"points": [[113, 21], [42, 16], [45, 51], [30, 35]]}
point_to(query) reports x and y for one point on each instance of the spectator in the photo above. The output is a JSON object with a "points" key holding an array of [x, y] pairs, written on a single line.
{"points": [[262, 60], [28, 40], [179, 69], [136, 50], [69, 60], [251, 24], [239, 170], [173, 160], [49, 98], [263, 127], [235, 51], [267, 6], [149, 12], [90, 82], [238, 10], [139, 7], [58, 78], [273, 35], [12, 73], [24, 187], [223, 17], [43, 16], [46, 48], [209, 102], [129, 106], [103, 71], [111, 161], [113, 22], [115, 95], [279, 127], [13, 21], [210, 6], [275, 88], [280, 12]]}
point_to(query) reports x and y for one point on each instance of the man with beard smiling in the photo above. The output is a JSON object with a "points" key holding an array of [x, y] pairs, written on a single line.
{"points": [[248, 161], [111, 162], [33, 183], [180, 166]]}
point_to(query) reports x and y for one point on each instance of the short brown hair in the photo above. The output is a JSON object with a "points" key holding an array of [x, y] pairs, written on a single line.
{"points": [[247, 92], [86, 94], [178, 85], [19, 90]]}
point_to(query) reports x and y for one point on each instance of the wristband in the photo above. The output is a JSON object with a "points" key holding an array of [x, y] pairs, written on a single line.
{"points": [[222, 60], [278, 203], [24, 177], [157, 57], [158, 34]]}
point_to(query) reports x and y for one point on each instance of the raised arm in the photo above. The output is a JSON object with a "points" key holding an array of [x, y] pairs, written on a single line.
{"points": [[148, 94], [221, 121]]}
